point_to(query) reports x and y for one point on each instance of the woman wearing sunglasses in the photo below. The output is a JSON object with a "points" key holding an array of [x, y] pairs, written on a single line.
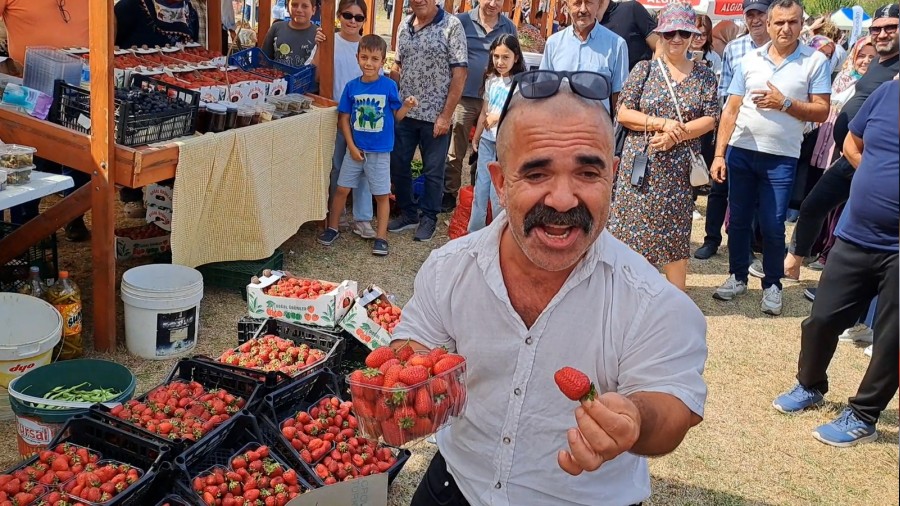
{"points": [[667, 105], [352, 15]]}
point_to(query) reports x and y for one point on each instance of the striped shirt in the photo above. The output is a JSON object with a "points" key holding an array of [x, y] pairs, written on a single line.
{"points": [[734, 52]]}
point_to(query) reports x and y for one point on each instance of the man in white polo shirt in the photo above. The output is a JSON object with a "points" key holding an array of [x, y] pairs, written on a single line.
{"points": [[776, 89]]}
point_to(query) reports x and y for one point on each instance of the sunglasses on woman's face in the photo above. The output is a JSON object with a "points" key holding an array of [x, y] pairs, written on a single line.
{"points": [[684, 34], [359, 18]]}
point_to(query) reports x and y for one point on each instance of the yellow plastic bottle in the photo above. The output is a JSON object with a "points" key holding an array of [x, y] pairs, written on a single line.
{"points": [[66, 298]]}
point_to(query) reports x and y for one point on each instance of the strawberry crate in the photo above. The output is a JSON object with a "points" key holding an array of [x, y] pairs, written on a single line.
{"points": [[189, 371], [247, 328], [219, 449], [299, 80], [423, 404], [297, 397], [111, 443]]}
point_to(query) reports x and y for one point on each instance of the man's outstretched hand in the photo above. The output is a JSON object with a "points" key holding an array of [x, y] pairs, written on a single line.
{"points": [[607, 426]]}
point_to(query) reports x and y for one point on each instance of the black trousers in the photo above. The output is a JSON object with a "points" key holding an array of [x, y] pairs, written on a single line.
{"points": [[852, 276], [438, 488], [716, 207], [832, 190]]}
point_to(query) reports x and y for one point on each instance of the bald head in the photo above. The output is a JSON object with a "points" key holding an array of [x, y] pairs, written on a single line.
{"points": [[564, 103]]}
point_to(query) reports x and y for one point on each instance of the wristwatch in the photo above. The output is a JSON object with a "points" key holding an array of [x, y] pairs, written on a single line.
{"points": [[786, 104]]}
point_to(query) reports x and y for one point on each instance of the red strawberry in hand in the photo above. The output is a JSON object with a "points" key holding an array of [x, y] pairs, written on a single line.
{"points": [[575, 384]]}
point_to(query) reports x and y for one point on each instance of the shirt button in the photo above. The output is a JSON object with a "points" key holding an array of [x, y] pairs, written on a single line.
{"points": [[528, 340], [517, 391], [498, 485], [506, 440]]}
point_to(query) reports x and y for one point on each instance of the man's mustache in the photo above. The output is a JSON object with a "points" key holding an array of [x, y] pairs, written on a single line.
{"points": [[541, 215]]}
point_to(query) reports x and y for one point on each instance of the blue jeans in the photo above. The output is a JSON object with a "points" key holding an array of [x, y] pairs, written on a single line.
{"points": [[362, 197], [484, 187], [409, 135], [761, 184]]}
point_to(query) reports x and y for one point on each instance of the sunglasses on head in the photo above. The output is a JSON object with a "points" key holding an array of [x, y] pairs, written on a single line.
{"points": [[537, 84], [876, 30], [359, 18], [684, 34]]}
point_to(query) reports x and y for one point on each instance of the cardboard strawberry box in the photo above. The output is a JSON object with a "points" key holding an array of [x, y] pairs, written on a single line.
{"points": [[372, 318], [277, 295], [159, 195], [141, 241], [432, 395]]}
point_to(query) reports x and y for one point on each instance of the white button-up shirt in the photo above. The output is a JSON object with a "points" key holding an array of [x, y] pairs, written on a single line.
{"points": [[616, 318]]}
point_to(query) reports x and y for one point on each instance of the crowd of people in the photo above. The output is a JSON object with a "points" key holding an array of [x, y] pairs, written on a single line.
{"points": [[590, 168]]}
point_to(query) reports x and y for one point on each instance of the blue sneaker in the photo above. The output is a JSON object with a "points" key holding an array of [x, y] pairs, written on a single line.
{"points": [[797, 399], [328, 237], [846, 430]]}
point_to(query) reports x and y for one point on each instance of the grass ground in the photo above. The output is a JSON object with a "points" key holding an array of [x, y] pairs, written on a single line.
{"points": [[744, 453]]}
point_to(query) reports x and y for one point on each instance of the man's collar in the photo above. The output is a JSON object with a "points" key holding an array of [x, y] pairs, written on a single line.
{"points": [[437, 19], [800, 50]]}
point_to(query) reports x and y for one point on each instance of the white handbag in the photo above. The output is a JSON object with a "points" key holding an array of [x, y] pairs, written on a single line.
{"points": [[699, 170]]}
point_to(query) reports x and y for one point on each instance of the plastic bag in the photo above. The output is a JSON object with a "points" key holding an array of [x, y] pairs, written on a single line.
{"points": [[459, 222]]}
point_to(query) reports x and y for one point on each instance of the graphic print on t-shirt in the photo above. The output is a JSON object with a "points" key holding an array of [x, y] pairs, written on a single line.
{"points": [[369, 113]]}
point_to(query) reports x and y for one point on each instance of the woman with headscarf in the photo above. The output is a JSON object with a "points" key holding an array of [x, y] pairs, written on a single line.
{"points": [[155, 22]]}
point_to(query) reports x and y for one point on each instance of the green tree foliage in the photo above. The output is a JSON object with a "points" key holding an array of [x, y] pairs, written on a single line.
{"points": [[817, 7]]}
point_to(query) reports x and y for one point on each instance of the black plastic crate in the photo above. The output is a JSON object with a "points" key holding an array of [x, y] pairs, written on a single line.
{"points": [[331, 344], [162, 490], [14, 274], [205, 373], [236, 275], [299, 80], [220, 446], [72, 104], [247, 328], [115, 444], [291, 399], [174, 500]]}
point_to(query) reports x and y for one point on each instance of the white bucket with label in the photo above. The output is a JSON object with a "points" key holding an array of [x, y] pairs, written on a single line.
{"points": [[29, 329], [162, 310]]}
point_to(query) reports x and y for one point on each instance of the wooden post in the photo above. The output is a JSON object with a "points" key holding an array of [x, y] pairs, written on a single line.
{"points": [[264, 11], [532, 15], [326, 69], [448, 6], [369, 27], [397, 18], [465, 7], [214, 26], [549, 18], [103, 197], [517, 13], [507, 7]]}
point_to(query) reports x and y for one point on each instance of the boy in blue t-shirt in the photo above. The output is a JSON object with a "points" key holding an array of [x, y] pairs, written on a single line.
{"points": [[367, 111]]}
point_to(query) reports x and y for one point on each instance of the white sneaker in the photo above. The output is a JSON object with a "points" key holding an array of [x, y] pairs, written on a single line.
{"points": [[363, 229], [771, 301], [756, 269], [859, 333], [868, 351], [730, 289], [697, 215]]}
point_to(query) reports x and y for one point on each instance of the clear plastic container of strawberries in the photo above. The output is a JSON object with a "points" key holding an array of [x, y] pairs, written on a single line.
{"points": [[403, 395]]}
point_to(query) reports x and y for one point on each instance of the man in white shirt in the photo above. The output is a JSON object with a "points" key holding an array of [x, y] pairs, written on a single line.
{"points": [[776, 89], [543, 287]]}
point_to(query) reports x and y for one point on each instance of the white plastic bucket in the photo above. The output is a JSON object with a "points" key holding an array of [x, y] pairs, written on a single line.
{"points": [[162, 310], [532, 60], [29, 329]]}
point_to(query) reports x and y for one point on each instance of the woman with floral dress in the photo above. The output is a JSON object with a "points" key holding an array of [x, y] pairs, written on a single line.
{"points": [[652, 214]]}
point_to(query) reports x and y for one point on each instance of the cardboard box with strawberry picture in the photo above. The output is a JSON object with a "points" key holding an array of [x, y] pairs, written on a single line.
{"points": [[280, 295], [372, 318], [141, 241]]}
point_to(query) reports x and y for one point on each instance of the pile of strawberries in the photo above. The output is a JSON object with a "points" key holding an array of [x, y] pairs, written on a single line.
{"points": [[252, 477], [273, 353], [297, 288], [384, 314], [180, 409], [403, 395], [66, 475], [326, 438], [147, 231], [53, 468]]}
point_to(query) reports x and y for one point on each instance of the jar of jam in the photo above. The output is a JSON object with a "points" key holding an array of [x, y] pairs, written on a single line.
{"points": [[216, 114], [231, 117], [201, 122], [245, 116]]}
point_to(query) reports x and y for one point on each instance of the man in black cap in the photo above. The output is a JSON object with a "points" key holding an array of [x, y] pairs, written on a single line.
{"points": [[755, 16], [833, 188]]}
